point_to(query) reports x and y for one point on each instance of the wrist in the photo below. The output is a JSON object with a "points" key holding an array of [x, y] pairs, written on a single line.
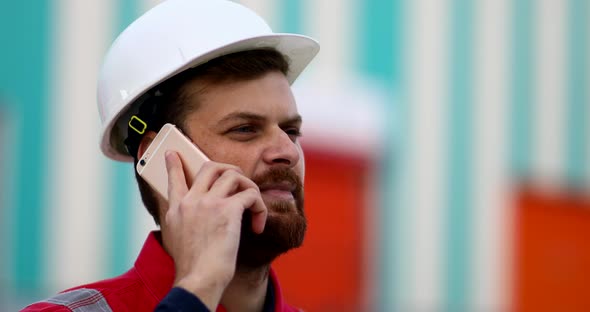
{"points": [[208, 291]]}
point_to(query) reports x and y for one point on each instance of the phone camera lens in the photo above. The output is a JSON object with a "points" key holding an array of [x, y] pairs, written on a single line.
{"points": [[142, 162]]}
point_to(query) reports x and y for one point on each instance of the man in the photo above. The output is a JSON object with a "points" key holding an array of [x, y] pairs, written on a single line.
{"points": [[216, 71]]}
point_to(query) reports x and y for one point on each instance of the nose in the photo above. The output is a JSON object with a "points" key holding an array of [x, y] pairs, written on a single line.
{"points": [[282, 150]]}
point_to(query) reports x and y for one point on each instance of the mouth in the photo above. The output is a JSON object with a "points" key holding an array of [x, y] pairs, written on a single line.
{"points": [[278, 191]]}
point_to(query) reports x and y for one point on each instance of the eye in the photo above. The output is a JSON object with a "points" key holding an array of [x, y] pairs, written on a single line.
{"points": [[243, 129], [294, 133], [244, 132]]}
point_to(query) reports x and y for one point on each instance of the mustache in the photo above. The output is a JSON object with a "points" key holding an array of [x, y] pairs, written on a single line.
{"points": [[279, 175]]}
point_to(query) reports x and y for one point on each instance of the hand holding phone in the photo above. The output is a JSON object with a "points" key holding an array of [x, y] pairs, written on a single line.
{"points": [[152, 165]]}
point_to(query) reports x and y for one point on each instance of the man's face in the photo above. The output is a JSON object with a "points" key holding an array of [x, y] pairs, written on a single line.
{"points": [[255, 125]]}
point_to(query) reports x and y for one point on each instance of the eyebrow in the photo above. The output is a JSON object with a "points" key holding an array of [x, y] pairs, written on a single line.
{"points": [[256, 117]]}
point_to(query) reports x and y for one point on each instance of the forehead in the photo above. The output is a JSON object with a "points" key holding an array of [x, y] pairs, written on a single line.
{"points": [[269, 96]]}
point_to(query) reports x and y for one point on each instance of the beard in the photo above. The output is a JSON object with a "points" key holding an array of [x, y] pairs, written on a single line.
{"points": [[285, 225]]}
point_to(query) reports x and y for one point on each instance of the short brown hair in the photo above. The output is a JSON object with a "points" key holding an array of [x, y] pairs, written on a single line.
{"points": [[174, 103]]}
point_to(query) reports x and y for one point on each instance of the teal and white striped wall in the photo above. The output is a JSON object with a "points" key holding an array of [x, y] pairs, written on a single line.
{"points": [[472, 96]]}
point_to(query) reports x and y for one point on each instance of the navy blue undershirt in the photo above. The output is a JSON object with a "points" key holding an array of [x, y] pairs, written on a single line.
{"points": [[179, 299]]}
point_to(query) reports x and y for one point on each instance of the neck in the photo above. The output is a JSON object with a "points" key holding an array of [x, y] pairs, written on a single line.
{"points": [[247, 290]]}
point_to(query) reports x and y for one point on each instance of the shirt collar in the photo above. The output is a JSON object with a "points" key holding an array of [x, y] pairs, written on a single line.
{"points": [[156, 268], [277, 294]]}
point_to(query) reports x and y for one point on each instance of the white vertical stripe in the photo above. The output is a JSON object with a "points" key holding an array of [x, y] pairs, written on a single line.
{"points": [[551, 99], [77, 195], [428, 58], [491, 214], [333, 26], [267, 9]]}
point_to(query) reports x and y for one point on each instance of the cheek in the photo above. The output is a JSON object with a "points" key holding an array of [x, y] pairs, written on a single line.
{"points": [[236, 155], [300, 166], [300, 169]]}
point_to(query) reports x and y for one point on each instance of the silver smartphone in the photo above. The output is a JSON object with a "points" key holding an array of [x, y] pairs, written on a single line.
{"points": [[152, 165]]}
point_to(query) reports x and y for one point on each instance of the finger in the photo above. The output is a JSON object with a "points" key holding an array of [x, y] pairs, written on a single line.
{"points": [[231, 182], [208, 174], [259, 213], [251, 199], [177, 187]]}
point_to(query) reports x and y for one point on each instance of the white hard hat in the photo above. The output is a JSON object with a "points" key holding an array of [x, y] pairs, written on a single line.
{"points": [[172, 37]]}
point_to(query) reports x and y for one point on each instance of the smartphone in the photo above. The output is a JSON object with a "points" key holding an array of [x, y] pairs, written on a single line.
{"points": [[152, 165]]}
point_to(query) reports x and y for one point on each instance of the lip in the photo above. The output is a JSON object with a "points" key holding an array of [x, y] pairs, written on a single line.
{"points": [[278, 191], [282, 186]]}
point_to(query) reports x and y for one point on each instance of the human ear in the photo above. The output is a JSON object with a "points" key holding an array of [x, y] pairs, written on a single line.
{"points": [[145, 143]]}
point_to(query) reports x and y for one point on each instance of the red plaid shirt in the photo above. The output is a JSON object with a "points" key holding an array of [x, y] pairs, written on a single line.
{"points": [[139, 289]]}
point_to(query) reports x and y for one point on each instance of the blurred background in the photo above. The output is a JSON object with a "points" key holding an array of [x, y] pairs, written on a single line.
{"points": [[447, 148]]}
